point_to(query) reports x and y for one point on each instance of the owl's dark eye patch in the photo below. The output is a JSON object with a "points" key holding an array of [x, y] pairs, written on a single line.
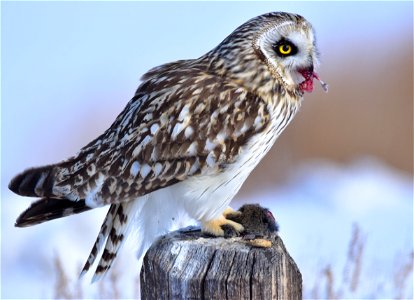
{"points": [[284, 48]]}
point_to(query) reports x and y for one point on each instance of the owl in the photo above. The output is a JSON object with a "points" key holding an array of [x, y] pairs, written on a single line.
{"points": [[186, 141]]}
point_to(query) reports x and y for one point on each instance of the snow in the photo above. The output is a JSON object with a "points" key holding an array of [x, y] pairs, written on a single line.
{"points": [[315, 210]]}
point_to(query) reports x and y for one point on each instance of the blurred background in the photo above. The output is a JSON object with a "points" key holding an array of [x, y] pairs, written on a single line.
{"points": [[339, 179]]}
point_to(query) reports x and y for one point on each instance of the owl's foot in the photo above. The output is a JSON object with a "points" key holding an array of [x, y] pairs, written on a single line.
{"points": [[230, 211], [220, 226]]}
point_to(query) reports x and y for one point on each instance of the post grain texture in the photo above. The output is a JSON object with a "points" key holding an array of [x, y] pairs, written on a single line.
{"points": [[188, 264]]}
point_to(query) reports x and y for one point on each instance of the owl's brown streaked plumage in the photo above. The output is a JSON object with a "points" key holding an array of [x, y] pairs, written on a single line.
{"points": [[190, 136]]}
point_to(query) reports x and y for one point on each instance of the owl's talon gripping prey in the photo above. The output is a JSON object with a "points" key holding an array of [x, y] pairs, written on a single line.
{"points": [[215, 227], [231, 212], [223, 226]]}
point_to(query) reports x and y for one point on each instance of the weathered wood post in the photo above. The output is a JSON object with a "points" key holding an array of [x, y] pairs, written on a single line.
{"points": [[187, 264]]}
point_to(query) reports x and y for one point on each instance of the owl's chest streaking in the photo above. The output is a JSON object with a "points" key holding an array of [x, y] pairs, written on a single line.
{"points": [[207, 195], [282, 112]]}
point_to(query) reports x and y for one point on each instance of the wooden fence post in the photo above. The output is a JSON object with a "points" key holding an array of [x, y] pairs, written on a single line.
{"points": [[187, 264]]}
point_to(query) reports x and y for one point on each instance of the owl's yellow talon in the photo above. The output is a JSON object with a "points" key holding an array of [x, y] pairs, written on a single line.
{"points": [[214, 227], [230, 211]]}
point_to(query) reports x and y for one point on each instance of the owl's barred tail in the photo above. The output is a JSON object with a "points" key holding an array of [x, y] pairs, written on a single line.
{"points": [[100, 240], [36, 182], [113, 230]]}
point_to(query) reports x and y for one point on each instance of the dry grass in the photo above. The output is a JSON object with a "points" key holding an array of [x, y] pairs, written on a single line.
{"points": [[353, 266], [64, 288], [327, 286], [67, 288], [402, 273]]}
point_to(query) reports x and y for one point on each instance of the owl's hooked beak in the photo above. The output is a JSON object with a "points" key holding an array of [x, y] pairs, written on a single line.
{"points": [[307, 84]]}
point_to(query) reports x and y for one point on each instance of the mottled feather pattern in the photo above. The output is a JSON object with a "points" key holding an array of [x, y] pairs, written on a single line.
{"points": [[168, 139], [191, 135]]}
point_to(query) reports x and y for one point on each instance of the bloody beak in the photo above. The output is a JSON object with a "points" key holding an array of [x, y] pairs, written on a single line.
{"points": [[307, 84]]}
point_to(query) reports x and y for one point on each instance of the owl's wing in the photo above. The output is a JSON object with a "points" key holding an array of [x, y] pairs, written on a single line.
{"points": [[182, 122]]}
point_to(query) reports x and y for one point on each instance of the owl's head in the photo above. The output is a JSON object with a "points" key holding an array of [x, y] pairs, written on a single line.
{"points": [[271, 49]]}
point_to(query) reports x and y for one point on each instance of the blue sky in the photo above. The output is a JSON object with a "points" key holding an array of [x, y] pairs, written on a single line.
{"points": [[63, 62]]}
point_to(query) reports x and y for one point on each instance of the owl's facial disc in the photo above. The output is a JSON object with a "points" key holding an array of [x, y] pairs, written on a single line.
{"points": [[290, 52]]}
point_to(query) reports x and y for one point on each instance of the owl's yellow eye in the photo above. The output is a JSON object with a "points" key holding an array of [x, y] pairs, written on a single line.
{"points": [[285, 49]]}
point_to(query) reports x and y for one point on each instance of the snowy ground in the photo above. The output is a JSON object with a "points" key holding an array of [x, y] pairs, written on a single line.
{"points": [[316, 211]]}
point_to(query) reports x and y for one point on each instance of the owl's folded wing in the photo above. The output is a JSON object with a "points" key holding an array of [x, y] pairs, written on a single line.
{"points": [[172, 129]]}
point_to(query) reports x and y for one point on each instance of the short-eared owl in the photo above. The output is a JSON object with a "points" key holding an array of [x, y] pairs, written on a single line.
{"points": [[186, 141]]}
